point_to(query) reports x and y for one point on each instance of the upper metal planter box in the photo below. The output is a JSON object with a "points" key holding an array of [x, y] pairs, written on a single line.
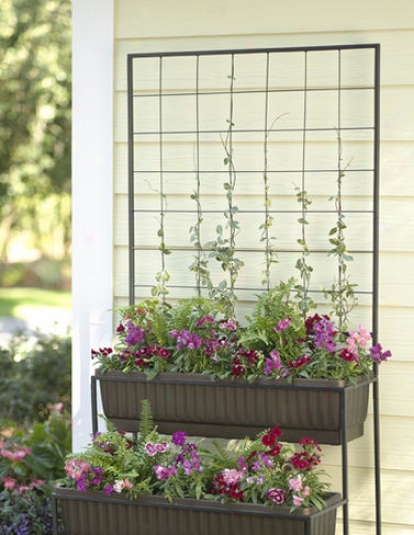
{"points": [[328, 411]]}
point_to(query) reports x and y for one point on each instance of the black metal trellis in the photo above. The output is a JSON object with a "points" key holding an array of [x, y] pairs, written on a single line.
{"points": [[174, 99]]}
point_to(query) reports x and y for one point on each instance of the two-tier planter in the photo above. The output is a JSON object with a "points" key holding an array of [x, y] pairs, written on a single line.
{"points": [[328, 411], [94, 513]]}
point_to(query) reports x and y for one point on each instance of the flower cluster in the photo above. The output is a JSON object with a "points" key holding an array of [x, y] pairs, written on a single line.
{"points": [[14, 465], [264, 471], [277, 342]]}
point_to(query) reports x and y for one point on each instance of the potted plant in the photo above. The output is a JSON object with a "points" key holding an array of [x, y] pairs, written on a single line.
{"points": [[213, 377], [156, 484]]}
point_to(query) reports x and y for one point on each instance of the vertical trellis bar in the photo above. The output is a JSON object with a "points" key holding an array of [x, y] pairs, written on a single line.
{"points": [[131, 181], [375, 284]]}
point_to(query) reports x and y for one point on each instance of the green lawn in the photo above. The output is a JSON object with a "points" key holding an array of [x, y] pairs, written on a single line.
{"points": [[23, 302]]}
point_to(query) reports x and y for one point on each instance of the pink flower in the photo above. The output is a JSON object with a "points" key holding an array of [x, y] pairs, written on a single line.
{"points": [[231, 475], [120, 484], [9, 482], [76, 468], [295, 483], [297, 500], [358, 339], [306, 492], [18, 455]]}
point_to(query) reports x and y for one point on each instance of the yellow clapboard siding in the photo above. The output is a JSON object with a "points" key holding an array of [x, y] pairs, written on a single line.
{"points": [[397, 114], [396, 169], [394, 454], [137, 18], [397, 58], [395, 232], [396, 491], [369, 528]]}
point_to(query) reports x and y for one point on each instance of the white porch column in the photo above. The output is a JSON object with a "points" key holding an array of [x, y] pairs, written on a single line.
{"points": [[92, 198]]}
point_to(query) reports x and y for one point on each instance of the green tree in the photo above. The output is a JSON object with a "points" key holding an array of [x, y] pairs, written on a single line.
{"points": [[35, 121]]}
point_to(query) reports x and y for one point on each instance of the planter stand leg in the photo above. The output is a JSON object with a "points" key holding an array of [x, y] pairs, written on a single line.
{"points": [[94, 405], [54, 515], [377, 455], [344, 439]]}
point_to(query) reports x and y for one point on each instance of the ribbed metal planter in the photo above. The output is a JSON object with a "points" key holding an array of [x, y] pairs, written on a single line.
{"points": [[94, 513], [320, 409]]}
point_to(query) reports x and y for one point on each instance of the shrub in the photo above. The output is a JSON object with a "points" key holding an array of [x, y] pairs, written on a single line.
{"points": [[34, 376], [31, 459], [27, 514]]}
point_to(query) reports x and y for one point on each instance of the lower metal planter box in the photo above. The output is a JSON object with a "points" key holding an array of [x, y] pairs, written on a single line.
{"points": [[328, 411], [94, 513]]}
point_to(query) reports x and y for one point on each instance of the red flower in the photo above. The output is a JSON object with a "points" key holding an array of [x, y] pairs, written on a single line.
{"points": [[164, 353], [237, 368], [275, 451], [271, 436], [297, 363], [305, 461], [348, 355], [229, 489], [310, 442]]}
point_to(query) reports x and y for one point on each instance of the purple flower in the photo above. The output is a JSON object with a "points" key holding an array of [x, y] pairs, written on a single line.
{"points": [[186, 339], [135, 334], [272, 363], [378, 355], [82, 484], [324, 334], [179, 437], [109, 489], [265, 460]]}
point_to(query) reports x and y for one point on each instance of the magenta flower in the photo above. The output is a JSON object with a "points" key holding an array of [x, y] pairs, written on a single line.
{"points": [[277, 495], [151, 449], [283, 325], [203, 320]]}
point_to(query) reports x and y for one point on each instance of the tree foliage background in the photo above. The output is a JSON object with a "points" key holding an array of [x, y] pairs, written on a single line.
{"points": [[35, 124]]}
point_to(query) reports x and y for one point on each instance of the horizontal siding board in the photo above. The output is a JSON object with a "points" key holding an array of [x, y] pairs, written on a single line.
{"points": [[202, 19], [397, 489], [369, 528], [397, 113], [397, 55], [394, 454], [395, 232], [396, 171]]}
